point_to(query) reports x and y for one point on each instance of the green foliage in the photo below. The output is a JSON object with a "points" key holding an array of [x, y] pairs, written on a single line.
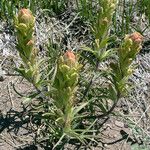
{"points": [[144, 6], [8, 8], [123, 21], [85, 7], [123, 17], [100, 30], [88, 9]]}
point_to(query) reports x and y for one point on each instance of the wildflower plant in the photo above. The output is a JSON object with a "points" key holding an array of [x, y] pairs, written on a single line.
{"points": [[122, 69], [61, 109], [65, 84], [100, 29], [24, 24]]}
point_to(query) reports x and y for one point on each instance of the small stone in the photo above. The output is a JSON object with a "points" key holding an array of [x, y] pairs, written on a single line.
{"points": [[119, 124], [105, 145], [115, 135]]}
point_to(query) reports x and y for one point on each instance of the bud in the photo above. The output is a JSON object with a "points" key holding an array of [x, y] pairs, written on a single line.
{"points": [[74, 77], [128, 41], [113, 6], [136, 37], [25, 16], [29, 49], [61, 60], [22, 27], [30, 43], [64, 68], [69, 57], [105, 21]]}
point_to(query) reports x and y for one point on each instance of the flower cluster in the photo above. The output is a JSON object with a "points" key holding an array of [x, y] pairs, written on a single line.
{"points": [[25, 16], [129, 49], [65, 83], [127, 52], [24, 24], [104, 17], [67, 76]]}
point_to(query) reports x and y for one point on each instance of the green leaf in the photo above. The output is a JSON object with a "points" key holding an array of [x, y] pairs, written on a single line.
{"points": [[104, 42], [104, 55], [76, 110], [88, 129], [75, 135], [61, 138], [102, 107], [113, 93], [88, 49]]}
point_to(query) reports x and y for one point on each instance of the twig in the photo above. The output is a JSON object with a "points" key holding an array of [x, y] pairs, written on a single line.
{"points": [[10, 96], [71, 22], [6, 140], [107, 113], [59, 141], [10, 74], [13, 85]]}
